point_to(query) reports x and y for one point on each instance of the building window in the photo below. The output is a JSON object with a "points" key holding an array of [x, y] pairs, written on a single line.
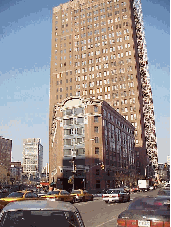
{"points": [[95, 108], [97, 172], [96, 150], [97, 183], [96, 129], [95, 118], [96, 139]]}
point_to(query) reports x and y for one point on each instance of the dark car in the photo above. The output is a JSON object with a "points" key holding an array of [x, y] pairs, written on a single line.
{"points": [[146, 212], [163, 192], [40, 213]]}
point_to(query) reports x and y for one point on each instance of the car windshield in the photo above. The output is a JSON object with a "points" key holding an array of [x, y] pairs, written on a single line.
{"points": [[113, 191], [76, 192], [37, 217], [16, 194], [53, 193]]}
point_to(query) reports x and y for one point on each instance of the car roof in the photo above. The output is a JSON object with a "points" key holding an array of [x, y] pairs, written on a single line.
{"points": [[39, 205], [115, 189], [23, 191], [78, 190]]}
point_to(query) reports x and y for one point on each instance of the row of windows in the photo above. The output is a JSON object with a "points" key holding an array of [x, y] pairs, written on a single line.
{"points": [[98, 90], [104, 50], [97, 18], [97, 14], [105, 66], [97, 38], [104, 58], [104, 82]]}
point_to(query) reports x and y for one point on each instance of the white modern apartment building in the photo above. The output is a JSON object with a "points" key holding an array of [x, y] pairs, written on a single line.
{"points": [[32, 157]]}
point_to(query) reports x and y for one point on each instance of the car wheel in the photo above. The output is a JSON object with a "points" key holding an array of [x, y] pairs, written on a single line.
{"points": [[73, 200], [107, 201], [121, 201]]}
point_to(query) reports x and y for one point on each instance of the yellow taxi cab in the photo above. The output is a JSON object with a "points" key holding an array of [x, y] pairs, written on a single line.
{"points": [[18, 196], [82, 195], [59, 195]]}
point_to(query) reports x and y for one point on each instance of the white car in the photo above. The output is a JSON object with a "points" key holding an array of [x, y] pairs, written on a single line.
{"points": [[116, 195], [151, 188]]}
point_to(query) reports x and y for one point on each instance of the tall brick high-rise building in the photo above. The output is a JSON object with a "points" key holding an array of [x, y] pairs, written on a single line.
{"points": [[99, 52]]}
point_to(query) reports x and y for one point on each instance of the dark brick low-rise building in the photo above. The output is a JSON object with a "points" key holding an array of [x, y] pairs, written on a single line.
{"points": [[95, 134]]}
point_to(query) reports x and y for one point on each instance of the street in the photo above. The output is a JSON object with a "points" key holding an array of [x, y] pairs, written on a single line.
{"points": [[97, 213]]}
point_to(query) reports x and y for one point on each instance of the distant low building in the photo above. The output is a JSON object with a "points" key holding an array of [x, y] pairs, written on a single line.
{"points": [[164, 171], [16, 173]]}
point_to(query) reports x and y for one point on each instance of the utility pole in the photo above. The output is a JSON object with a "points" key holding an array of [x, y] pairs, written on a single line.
{"points": [[73, 170]]}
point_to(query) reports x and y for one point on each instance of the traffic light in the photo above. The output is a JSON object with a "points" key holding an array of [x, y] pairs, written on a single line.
{"points": [[75, 167], [102, 167], [71, 180]]}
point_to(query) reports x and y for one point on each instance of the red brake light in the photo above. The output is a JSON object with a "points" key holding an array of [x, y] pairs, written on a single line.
{"points": [[121, 222], [158, 204], [119, 195], [77, 194], [102, 196], [132, 223], [166, 224], [157, 224]]}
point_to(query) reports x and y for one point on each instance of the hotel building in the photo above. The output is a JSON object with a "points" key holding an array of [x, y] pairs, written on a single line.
{"points": [[99, 52]]}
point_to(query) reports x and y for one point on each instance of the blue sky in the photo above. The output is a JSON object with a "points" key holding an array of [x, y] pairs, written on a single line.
{"points": [[25, 52]]}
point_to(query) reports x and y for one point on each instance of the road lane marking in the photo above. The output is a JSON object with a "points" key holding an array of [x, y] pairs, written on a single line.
{"points": [[106, 222]]}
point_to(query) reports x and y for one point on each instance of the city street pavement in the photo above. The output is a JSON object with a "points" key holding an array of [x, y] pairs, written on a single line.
{"points": [[97, 213]]}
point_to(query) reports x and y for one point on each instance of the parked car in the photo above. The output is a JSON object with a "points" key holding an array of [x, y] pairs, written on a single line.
{"points": [[40, 213], [146, 212], [116, 195], [167, 186], [164, 193], [82, 195], [126, 188], [17, 196], [60, 195], [135, 189], [151, 188]]}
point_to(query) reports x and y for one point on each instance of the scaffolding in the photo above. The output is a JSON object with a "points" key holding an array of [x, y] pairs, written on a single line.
{"points": [[148, 108]]}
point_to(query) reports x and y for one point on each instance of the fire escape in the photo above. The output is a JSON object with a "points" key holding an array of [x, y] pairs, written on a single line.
{"points": [[148, 109]]}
